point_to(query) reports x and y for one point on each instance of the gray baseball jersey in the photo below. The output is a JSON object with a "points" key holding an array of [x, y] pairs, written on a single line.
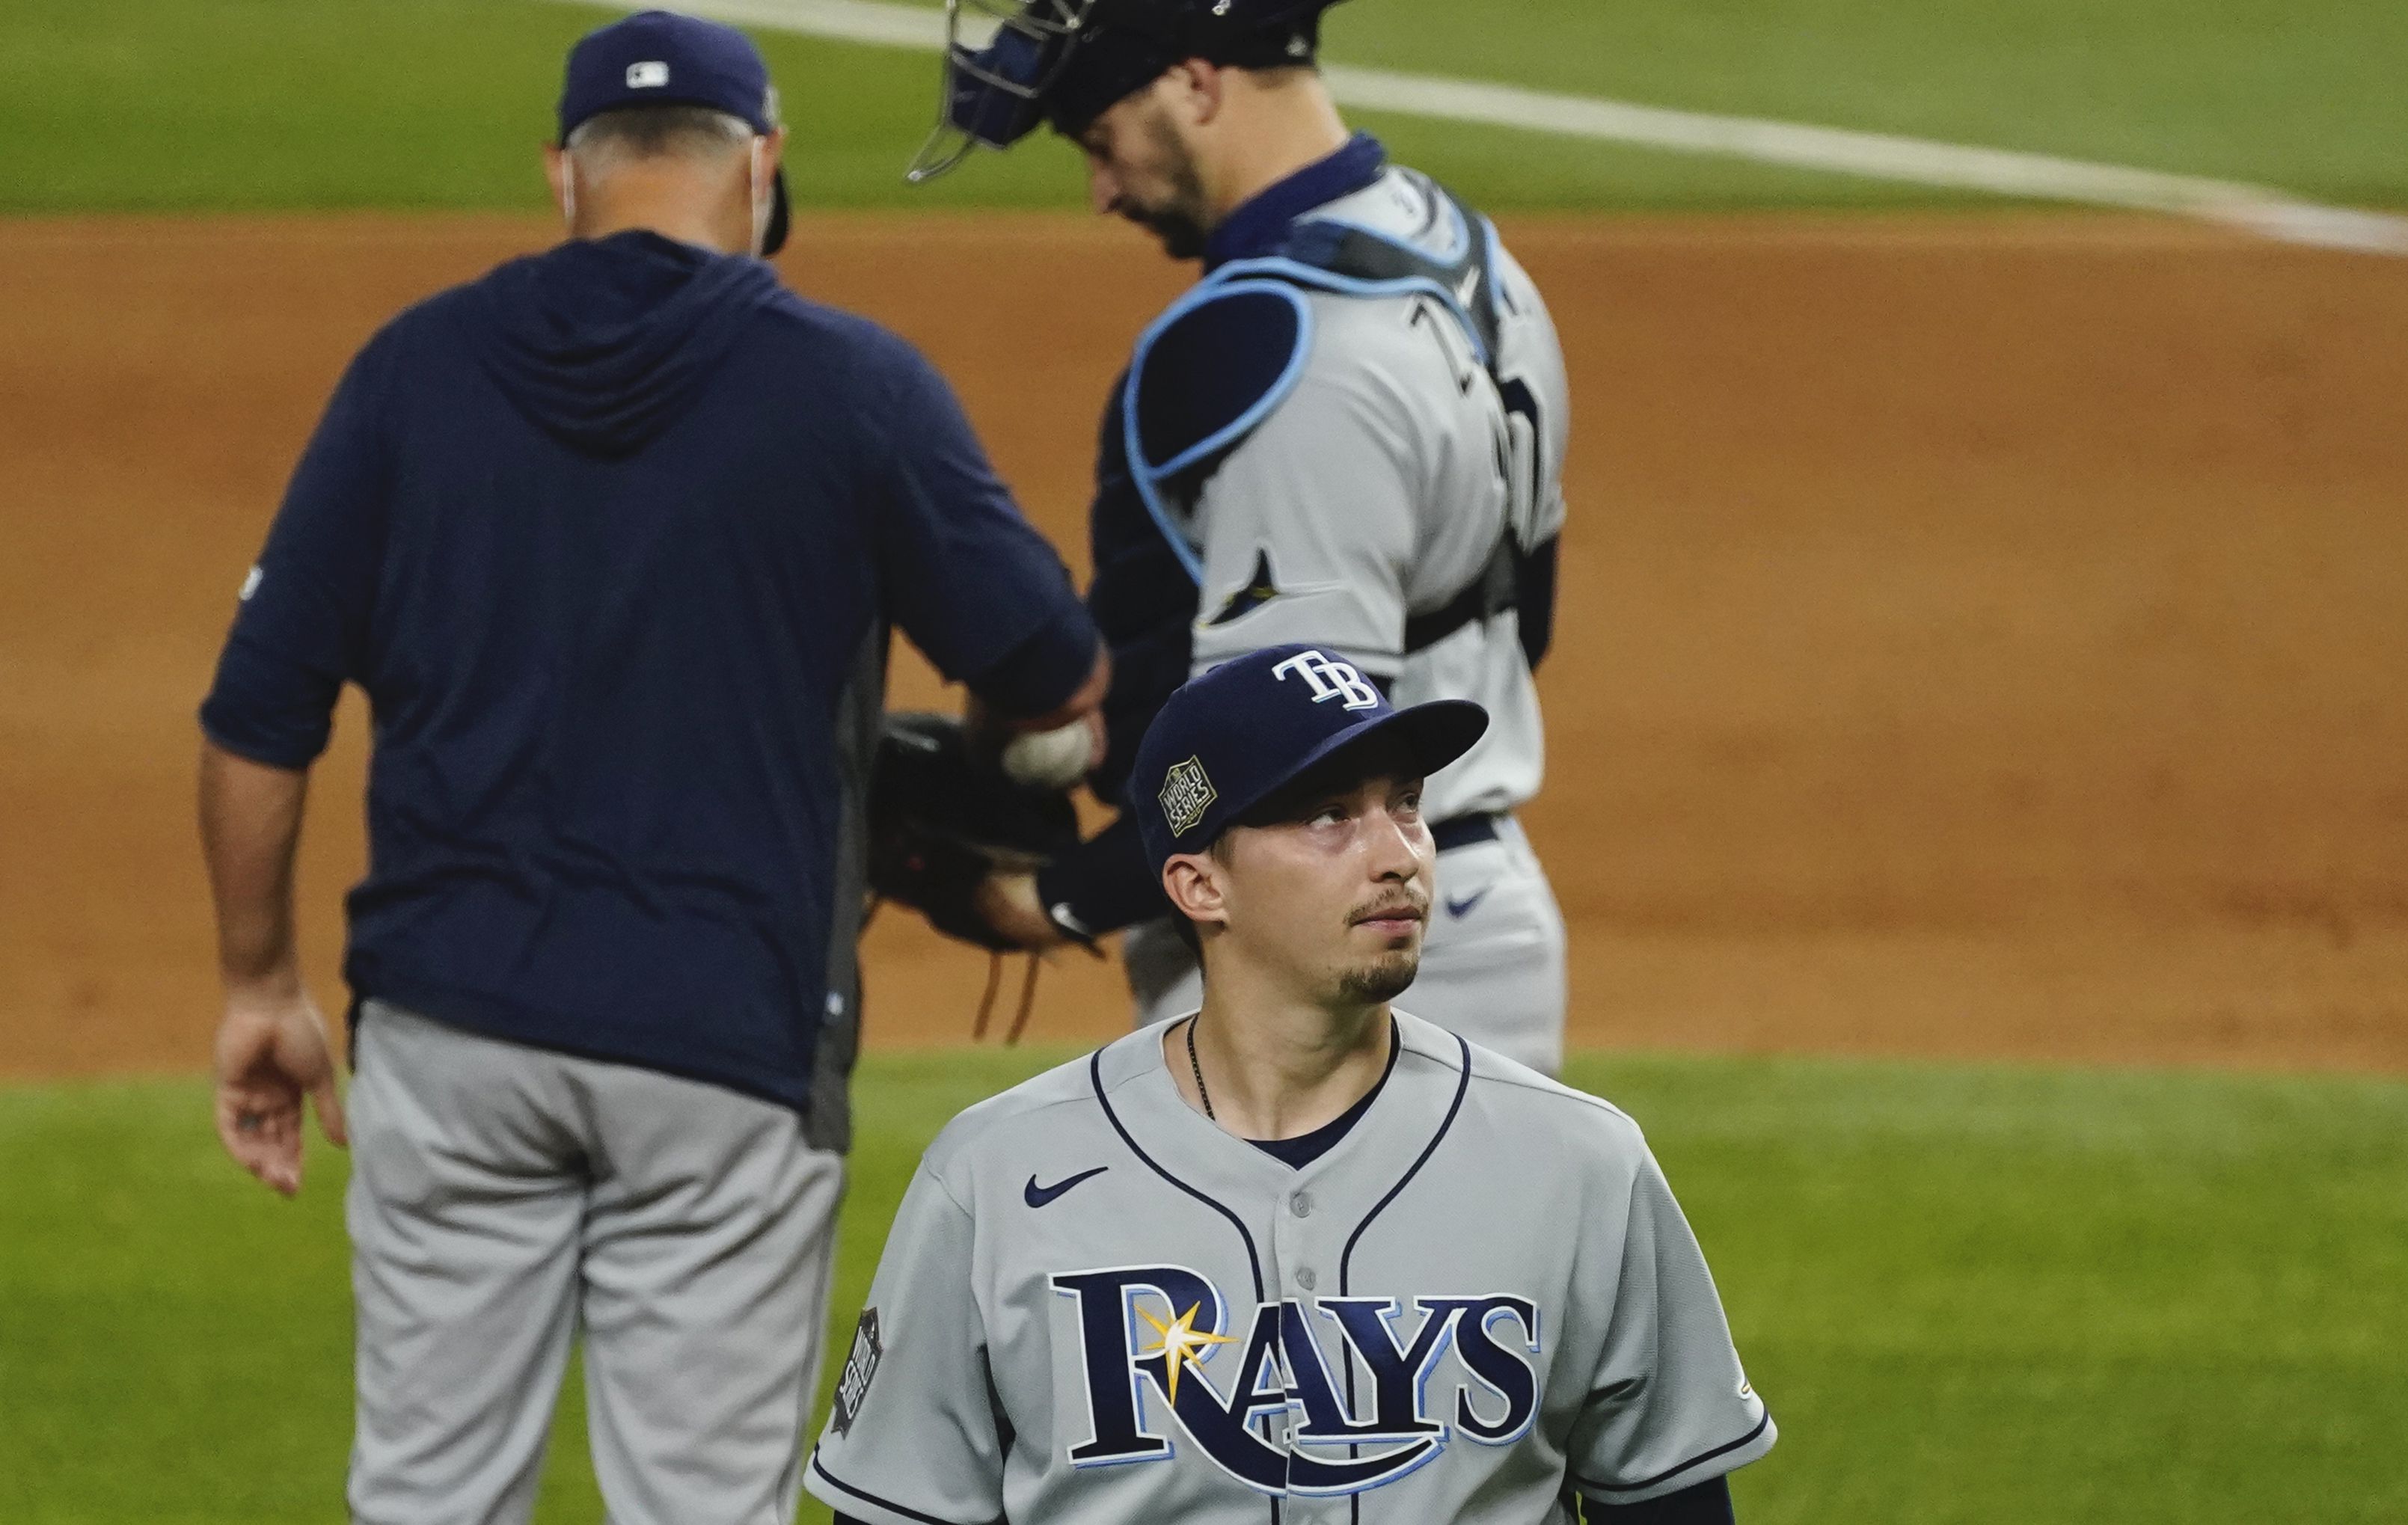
{"points": [[1416, 423], [1096, 1307], [1353, 437]]}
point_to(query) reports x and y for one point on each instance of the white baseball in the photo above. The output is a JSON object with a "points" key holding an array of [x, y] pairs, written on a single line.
{"points": [[1050, 759]]}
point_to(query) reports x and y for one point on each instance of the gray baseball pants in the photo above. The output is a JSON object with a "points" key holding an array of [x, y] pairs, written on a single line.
{"points": [[503, 1198], [1492, 961]]}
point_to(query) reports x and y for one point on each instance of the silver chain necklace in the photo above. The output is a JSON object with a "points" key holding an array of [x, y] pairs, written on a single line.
{"points": [[1202, 1093]]}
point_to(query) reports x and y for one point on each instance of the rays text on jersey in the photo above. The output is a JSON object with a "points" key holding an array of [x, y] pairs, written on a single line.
{"points": [[1274, 1402]]}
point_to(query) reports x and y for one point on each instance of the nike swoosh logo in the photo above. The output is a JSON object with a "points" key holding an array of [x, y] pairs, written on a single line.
{"points": [[1461, 908], [1039, 1196]]}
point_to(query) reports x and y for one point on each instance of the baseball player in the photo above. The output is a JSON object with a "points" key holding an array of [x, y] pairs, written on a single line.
{"points": [[1296, 1257], [612, 539], [1351, 432]]}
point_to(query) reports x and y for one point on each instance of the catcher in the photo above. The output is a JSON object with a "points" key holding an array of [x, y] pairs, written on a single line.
{"points": [[1350, 434]]}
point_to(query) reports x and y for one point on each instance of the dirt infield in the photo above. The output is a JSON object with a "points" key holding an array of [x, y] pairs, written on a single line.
{"points": [[1980, 637]]}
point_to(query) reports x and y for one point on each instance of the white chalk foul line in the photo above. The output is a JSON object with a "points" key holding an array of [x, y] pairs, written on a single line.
{"points": [[2259, 210]]}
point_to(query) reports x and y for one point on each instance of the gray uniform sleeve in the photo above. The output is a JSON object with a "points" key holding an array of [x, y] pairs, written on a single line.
{"points": [[914, 1436], [1668, 1406], [1322, 496]]}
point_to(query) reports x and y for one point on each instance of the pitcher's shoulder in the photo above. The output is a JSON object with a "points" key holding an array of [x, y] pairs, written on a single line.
{"points": [[1061, 1097], [1066, 1099], [1532, 1111]]}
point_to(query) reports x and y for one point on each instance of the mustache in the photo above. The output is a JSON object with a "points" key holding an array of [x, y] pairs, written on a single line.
{"points": [[1408, 904]]}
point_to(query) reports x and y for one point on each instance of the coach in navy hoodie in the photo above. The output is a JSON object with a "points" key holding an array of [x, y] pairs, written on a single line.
{"points": [[612, 539]]}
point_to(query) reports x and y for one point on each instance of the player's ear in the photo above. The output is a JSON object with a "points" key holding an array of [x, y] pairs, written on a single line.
{"points": [[1196, 88], [1192, 881]]}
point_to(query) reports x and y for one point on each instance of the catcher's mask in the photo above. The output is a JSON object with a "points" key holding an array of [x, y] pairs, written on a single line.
{"points": [[1011, 65]]}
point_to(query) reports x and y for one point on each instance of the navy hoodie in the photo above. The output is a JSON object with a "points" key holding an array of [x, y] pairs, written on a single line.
{"points": [[612, 539]]}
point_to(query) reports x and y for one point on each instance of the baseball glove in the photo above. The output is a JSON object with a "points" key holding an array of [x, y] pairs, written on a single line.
{"points": [[944, 814]]}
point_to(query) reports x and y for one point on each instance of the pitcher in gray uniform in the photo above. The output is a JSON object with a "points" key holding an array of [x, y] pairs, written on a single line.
{"points": [[1350, 432], [1296, 1257]]}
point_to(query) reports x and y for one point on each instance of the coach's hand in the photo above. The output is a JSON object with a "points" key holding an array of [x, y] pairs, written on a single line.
{"points": [[271, 1052]]}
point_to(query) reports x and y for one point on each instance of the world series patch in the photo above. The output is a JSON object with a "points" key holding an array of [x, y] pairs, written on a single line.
{"points": [[859, 1367], [1186, 794]]}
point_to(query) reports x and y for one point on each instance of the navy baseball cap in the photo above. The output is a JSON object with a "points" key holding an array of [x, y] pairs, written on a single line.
{"points": [[1233, 738], [660, 58]]}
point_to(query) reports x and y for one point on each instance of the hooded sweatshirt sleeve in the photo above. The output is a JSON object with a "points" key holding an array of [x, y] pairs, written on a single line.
{"points": [[301, 628], [969, 579]]}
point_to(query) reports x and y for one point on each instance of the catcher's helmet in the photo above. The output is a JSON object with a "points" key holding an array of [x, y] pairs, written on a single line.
{"points": [[1069, 60]]}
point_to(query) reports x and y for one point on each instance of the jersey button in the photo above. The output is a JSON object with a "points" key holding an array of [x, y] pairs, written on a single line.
{"points": [[1305, 1278], [1300, 1204]]}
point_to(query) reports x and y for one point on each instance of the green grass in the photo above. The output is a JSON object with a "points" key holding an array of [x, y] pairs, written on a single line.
{"points": [[1971, 1295], [2301, 93], [244, 104], [301, 103]]}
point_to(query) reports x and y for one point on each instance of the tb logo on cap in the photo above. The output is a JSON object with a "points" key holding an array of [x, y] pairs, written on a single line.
{"points": [[1330, 679]]}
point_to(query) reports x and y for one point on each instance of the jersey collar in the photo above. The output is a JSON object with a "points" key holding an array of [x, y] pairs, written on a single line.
{"points": [[1296, 1153], [1424, 1083], [1260, 225]]}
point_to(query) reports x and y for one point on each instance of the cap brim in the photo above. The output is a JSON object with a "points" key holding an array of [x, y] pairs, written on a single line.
{"points": [[1437, 733]]}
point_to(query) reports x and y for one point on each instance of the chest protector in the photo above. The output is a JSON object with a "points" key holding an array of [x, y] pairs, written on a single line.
{"points": [[1223, 358], [1203, 375]]}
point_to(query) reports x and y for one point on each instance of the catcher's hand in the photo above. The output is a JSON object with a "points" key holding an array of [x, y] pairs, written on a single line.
{"points": [[944, 817]]}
